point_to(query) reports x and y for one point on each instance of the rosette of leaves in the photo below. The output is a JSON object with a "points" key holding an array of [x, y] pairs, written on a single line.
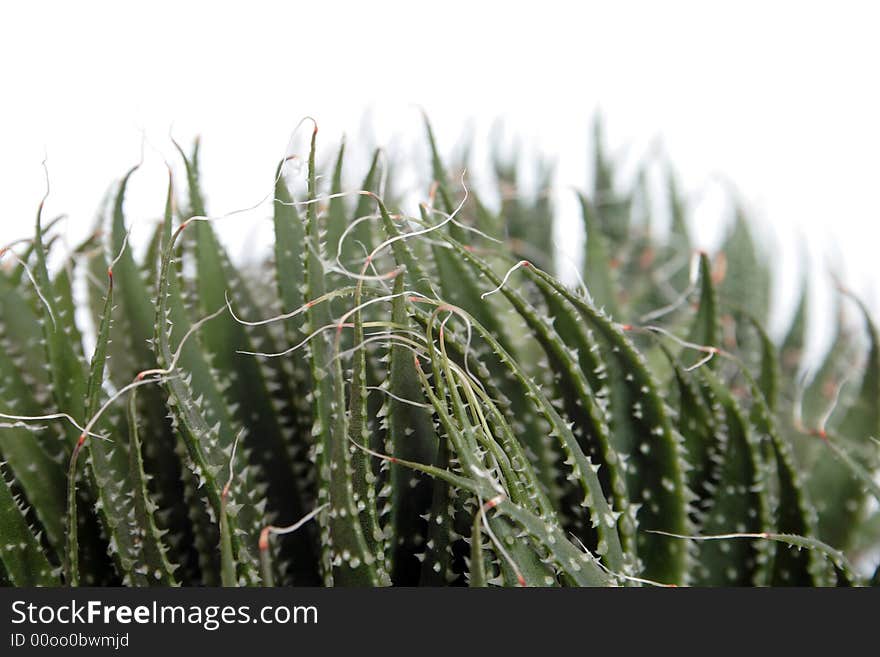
{"points": [[398, 398]]}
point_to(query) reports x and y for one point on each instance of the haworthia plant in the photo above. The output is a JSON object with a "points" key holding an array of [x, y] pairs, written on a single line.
{"points": [[417, 399]]}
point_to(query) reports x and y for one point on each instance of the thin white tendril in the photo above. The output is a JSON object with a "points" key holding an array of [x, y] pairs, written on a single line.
{"points": [[467, 347], [495, 501], [383, 178], [403, 236], [712, 537], [290, 350], [134, 384], [710, 351], [382, 337], [122, 248], [325, 197], [574, 268], [289, 529], [826, 417], [521, 263], [379, 278], [400, 399], [348, 230], [683, 297], [386, 297], [33, 281], [463, 316], [338, 325], [293, 313], [33, 428], [628, 578], [53, 416], [268, 196], [835, 556], [470, 229], [797, 408], [637, 580], [235, 442], [705, 359], [195, 327], [378, 455]]}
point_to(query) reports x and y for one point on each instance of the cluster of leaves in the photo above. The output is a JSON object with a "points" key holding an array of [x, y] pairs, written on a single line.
{"points": [[430, 396]]}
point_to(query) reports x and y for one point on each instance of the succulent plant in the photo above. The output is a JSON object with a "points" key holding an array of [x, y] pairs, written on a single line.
{"points": [[389, 399]]}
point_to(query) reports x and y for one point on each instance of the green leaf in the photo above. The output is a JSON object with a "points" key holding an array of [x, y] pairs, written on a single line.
{"points": [[65, 368], [67, 375], [706, 325], [362, 233], [246, 381], [21, 554], [580, 406], [346, 559], [289, 241], [747, 279], [641, 429], [208, 447], [132, 351], [597, 271], [410, 436], [793, 512], [22, 331], [769, 374], [478, 563], [579, 465], [739, 503], [611, 207], [839, 492], [32, 457], [855, 467], [699, 422], [363, 478], [108, 466], [336, 217], [792, 349], [151, 551]]}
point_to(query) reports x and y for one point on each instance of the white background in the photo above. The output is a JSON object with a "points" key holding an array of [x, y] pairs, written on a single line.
{"points": [[780, 98]]}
